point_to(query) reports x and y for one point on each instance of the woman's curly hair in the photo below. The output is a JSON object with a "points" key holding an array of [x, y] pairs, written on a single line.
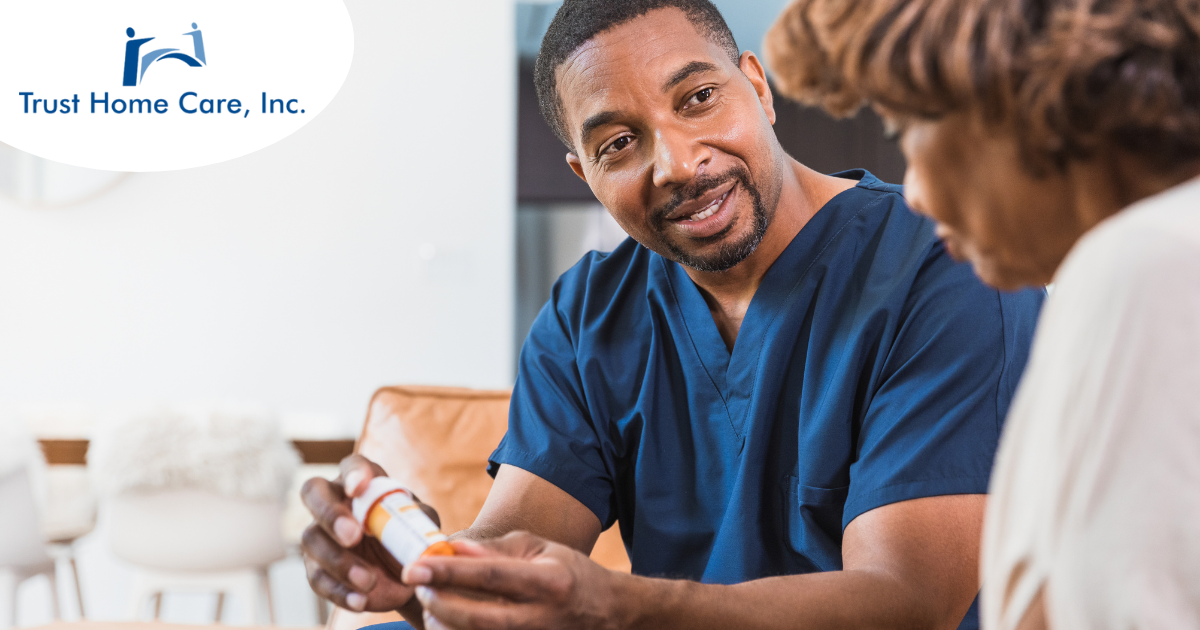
{"points": [[1066, 76]]}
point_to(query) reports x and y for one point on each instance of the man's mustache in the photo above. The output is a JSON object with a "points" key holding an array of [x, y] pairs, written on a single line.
{"points": [[695, 189]]}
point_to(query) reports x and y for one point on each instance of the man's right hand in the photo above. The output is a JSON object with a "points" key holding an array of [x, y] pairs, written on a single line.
{"points": [[344, 566]]}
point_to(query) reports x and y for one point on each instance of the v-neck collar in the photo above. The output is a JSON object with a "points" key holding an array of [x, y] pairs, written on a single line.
{"points": [[734, 373]]}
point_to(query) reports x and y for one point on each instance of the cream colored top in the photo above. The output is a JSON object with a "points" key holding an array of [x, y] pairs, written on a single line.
{"points": [[1096, 488]]}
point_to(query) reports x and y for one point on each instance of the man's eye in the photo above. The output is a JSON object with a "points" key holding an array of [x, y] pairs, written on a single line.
{"points": [[619, 144], [700, 97]]}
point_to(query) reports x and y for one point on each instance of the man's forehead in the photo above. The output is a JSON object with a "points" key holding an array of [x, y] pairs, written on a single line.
{"points": [[639, 55]]}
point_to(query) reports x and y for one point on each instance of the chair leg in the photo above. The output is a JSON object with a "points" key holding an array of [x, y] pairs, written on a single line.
{"points": [[139, 592], [78, 589], [8, 598], [220, 607], [265, 576], [246, 587], [55, 607], [158, 597]]}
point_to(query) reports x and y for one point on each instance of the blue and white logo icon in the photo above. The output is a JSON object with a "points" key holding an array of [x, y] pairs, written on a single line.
{"points": [[137, 63]]}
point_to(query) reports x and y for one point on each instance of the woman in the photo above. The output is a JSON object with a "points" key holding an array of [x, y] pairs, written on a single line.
{"points": [[1057, 141]]}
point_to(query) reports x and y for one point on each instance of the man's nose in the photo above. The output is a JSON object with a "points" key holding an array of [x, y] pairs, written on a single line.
{"points": [[677, 157]]}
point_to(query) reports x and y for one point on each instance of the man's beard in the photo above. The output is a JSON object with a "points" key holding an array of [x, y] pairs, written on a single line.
{"points": [[729, 254]]}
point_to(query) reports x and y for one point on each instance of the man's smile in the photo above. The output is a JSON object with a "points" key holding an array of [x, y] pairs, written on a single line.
{"points": [[708, 210], [693, 208], [708, 215]]}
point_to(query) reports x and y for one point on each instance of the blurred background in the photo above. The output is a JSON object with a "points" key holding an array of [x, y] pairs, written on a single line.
{"points": [[408, 235]]}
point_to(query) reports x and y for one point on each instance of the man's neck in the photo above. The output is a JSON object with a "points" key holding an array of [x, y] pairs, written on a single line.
{"points": [[728, 293]]}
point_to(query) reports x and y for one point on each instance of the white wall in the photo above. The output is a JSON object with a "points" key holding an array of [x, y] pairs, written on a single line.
{"points": [[374, 246]]}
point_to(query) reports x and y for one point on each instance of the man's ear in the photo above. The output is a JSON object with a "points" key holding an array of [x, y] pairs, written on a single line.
{"points": [[753, 69], [576, 165]]}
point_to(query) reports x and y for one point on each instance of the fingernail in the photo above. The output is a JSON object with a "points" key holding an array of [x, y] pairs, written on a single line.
{"points": [[360, 578], [346, 530], [356, 601], [418, 574], [424, 593], [353, 480]]}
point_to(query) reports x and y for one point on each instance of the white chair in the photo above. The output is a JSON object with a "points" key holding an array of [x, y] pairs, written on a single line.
{"points": [[69, 514], [189, 540], [194, 501], [22, 549], [68, 503]]}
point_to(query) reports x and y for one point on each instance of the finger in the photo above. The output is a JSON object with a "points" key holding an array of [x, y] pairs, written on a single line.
{"points": [[373, 550], [341, 564], [448, 609], [356, 472], [331, 510], [515, 579], [326, 586]]}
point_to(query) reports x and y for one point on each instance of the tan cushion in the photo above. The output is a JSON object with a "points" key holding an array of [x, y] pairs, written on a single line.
{"points": [[436, 441]]}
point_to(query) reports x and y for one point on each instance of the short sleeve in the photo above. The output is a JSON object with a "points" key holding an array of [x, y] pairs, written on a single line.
{"points": [[932, 425], [550, 432]]}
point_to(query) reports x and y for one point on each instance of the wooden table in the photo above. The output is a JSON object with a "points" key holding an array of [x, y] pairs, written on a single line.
{"points": [[63, 452]]}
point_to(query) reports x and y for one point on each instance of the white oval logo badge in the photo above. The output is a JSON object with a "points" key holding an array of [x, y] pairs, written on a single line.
{"points": [[146, 85]]}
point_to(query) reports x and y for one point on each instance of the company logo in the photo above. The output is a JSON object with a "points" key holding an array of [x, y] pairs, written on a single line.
{"points": [[74, 104], [137, 63]]}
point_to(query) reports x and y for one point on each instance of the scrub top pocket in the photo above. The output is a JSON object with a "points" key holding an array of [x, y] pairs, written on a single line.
{"points": [[813, 522]]}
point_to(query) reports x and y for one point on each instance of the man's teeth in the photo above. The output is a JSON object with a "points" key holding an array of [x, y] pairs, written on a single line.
{"points": [[709, 210]]}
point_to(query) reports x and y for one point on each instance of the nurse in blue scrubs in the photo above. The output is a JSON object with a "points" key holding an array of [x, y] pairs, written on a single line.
{"points": [[782, 387]]}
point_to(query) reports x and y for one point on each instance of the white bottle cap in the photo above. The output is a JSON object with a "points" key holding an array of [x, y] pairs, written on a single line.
{"points": [[376, 489]]}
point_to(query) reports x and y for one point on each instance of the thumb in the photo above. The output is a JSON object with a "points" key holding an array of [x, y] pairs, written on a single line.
{"points": [[475, 549]]}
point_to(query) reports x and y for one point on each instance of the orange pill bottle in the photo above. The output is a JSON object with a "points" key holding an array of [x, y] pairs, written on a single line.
{"points": [[389, 512]]}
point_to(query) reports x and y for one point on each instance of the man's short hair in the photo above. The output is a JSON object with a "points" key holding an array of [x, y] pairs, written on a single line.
{"points": [[578, 21]]}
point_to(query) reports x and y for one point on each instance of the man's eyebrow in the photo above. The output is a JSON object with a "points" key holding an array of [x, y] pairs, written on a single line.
{"points": [[594, 122], [683, 73]]}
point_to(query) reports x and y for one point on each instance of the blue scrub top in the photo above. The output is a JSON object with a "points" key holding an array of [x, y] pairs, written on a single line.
{"points": [[870, 368]]}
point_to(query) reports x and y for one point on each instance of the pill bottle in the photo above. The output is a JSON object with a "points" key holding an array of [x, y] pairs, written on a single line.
{"points": [[389, 512]]}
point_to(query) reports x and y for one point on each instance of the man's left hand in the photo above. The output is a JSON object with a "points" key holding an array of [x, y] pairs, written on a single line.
{"points": [[518, 581]]}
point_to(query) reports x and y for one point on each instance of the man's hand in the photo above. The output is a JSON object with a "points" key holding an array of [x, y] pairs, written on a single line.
{"points": [[531, 582], [344, 566], [910, 564]]}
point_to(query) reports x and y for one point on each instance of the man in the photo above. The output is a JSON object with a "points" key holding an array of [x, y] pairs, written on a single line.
{"points": [[782, 386]]}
